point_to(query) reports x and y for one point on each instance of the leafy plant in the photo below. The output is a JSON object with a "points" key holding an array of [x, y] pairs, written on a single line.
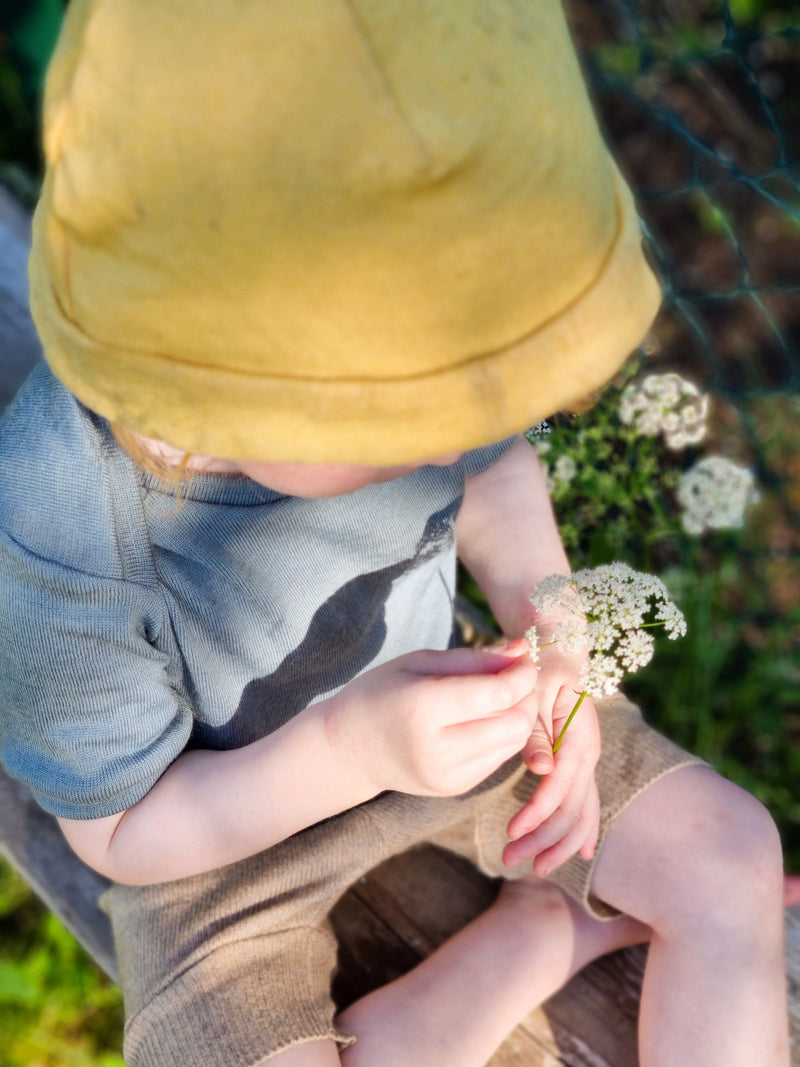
{"points": [[57, 1009], [728, 690]]}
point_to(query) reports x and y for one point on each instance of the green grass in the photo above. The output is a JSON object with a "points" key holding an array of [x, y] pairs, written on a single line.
{"points": [[57, 1009], [730, 692]]}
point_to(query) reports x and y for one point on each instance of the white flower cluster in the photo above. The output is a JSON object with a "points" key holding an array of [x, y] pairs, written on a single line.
{"points": [[665, 404], [714, 494], [561, 473], [601, 612]]}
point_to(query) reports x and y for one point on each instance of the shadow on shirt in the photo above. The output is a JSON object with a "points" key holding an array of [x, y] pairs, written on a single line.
{"points": [[344, 636]]}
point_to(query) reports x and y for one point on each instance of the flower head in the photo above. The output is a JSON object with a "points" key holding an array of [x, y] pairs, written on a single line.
{"points": [[665, 404], [714, 495], [601, 675], [606, 612]]}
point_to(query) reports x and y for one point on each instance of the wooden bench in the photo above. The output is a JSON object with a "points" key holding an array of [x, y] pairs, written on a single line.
{"points": [[390, 919]]}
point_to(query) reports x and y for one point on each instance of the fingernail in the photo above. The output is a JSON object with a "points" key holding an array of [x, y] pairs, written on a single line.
{"points": [[519, 644], [505, 648]]}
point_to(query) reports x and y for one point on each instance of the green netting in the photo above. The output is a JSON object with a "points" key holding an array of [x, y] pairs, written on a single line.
{"points": [[701, 104], [701, 101]]}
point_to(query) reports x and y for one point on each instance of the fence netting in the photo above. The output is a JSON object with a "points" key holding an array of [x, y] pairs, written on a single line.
{"points": [[701, 101]]}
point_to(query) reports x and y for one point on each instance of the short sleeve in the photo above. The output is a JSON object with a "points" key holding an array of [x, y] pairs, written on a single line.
{"points": [[480, 459], [89, 715]]}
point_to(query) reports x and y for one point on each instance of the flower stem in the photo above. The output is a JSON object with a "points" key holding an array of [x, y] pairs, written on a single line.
{"points": [[578, 703]]}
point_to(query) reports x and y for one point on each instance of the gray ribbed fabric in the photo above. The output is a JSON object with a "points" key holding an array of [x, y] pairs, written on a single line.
{"points": [[132, 628]]}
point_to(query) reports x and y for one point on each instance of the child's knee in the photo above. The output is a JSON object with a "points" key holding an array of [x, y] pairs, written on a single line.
{"points": [[693, 853], [732, 864]]}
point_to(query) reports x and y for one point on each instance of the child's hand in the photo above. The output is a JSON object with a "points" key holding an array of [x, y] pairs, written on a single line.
{"points": [[434, 723], [563, 815]]}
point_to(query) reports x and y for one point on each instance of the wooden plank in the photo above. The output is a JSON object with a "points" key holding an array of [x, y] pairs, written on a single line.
{"points": [[412, 903], [399, 913], [19, 343]]}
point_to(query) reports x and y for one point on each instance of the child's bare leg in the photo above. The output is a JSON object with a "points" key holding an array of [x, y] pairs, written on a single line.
{"points": [[310, 1054], [699, 860], [457, 1006], [791, 890], [708, 881]]}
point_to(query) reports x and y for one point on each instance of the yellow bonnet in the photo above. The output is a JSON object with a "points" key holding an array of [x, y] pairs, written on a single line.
{"points": [[355, 231]]}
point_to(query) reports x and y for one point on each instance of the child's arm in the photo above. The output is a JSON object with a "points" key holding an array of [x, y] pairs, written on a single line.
{"points": [[428, 723], [508, 539]]}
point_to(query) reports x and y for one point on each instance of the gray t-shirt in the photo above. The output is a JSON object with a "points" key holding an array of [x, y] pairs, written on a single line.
{"points": [[132, 628]]}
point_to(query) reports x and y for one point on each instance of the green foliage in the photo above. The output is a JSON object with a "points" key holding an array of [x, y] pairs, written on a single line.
{"points": [[57, 1009], [728, 690], [617, 503]]}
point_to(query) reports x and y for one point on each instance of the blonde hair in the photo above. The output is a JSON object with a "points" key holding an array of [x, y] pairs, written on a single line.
{"points": [[177, 476]]}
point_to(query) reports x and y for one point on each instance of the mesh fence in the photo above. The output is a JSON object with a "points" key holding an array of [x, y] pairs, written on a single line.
{"points": [[701, 101], [705, 115]]}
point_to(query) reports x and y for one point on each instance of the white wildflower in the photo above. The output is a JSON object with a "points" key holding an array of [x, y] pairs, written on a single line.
{"points": [[564, 470], [542, 427], [635, 649], [601, 675], [532, 637], [603, 612], [714, 495], [672, 618], [665, 404]]}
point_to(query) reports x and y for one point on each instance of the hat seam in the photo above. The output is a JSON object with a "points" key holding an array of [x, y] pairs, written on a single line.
{"points": [[414, 133], [475, 361]]}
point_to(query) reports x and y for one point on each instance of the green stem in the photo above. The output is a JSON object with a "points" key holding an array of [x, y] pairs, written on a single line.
{"points": [[578, 703]]}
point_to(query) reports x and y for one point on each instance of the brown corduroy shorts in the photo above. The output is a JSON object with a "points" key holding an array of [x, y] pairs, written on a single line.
{"points": [[233, 966]]}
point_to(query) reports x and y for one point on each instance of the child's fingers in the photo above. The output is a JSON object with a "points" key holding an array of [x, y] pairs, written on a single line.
{"points": [[466, 661], [490, 738], [538, 751], [563, 825], [467, 697], [571, 771], [581, 838], [575, 761]]}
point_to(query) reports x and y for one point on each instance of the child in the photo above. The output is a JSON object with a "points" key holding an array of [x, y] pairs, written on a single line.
{"points": [[298, 298]]}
